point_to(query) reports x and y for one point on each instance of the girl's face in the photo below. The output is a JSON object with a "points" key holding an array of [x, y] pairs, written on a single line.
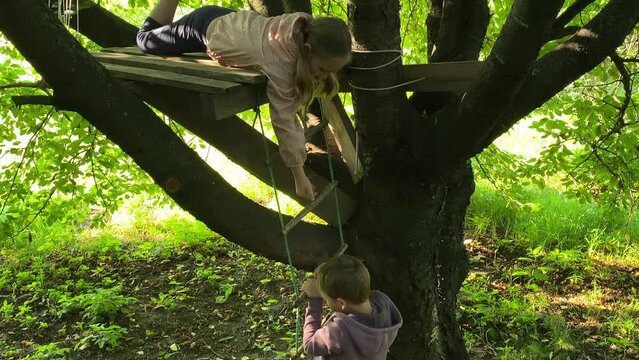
{"points": [[321, 68]]}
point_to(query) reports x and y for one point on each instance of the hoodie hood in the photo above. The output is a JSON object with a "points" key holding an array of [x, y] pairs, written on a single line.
{"points": [[373, 334]]}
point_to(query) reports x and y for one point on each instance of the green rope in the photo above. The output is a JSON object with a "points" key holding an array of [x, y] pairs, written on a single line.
{"points": [[294, 280]]}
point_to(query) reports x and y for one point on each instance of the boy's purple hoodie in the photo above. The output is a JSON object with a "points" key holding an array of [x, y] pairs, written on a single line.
{"points": [[352, 336]]}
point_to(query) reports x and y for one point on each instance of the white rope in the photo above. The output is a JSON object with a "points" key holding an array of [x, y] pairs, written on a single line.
{"points": [[385, 88], [375, 67], [376, 52], [379, 67]]}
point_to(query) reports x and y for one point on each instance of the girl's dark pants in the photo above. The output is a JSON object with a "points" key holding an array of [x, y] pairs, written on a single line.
{"points": [[185, 35]]}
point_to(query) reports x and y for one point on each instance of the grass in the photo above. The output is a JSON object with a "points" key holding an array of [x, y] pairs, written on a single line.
{"points": [[551, 278], [544, 217], [155, 284]]}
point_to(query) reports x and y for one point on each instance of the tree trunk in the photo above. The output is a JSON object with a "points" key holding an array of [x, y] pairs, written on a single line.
{"points": [[410, 234], [409, 227]]}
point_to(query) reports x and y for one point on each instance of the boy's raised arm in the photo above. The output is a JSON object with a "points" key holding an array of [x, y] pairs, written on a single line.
{"points": [[319, 340]]}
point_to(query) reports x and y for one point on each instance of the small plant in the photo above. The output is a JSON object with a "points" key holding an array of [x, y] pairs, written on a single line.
{"points": [[49, 351], [24, 315], [165, 301], [5, 278], [102, 336], [173, 299], [103, 305], [227, 290], [7, 309], [207, 274]]}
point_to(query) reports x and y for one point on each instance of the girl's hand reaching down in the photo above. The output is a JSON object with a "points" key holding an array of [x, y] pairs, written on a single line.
{"points": [[303, 186]]}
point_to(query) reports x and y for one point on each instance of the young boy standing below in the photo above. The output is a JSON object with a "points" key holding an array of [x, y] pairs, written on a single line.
{"points": [[364, 323]]}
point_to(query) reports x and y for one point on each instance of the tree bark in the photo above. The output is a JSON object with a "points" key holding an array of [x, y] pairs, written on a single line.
{"points": [[106, 29], [267, 7], [581, 53], [409, 227], [454, 34], [297, 6]]}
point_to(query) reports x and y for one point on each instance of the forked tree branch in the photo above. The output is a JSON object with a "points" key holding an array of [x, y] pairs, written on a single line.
{"points": [[578, 55], [459, 130]]}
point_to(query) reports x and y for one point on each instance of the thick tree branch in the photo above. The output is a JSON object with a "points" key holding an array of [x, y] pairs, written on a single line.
{"points": [[297, 6], [103, 27], [578, 55], [380, 115], [34, 100], [33, 85], [459, 130], [461, 30], [124, 119], [267, 7], [433, 21], [563, 32], [456, 32], [573, 10]]}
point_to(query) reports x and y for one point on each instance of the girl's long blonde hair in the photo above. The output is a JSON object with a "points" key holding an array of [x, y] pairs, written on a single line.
{"points": [[328, 38]]}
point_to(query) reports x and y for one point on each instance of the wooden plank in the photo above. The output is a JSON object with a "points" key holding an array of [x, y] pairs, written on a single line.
{"points": [[236, 100], [447, 76], [342, 138], [134, 50], [310, 207], [444, 71], [169, 79], [196, 64]]}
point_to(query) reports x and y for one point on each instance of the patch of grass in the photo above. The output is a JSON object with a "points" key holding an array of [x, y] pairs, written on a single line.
{"points": [[155, 283], [551, 278], [544, 217]]}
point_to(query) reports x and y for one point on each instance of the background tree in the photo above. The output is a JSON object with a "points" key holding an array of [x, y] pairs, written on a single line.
{"points": [[412, 201]]}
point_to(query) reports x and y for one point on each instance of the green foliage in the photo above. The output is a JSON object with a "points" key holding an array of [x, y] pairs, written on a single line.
{"points": [[102, 336], [55, 168], [99, 306], [590, 138], [49, 351], [543, 217]]}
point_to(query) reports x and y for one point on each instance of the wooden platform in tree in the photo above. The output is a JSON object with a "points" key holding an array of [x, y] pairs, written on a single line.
{"points": [[195, 91], [446, 76], [225, 91]]}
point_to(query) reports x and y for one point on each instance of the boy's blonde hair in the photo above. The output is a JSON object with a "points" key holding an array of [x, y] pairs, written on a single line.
{"points": [[344, 277], [329, 38]]}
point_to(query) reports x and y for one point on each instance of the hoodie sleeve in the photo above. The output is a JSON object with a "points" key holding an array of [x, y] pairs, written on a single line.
{"points": [[320, 340], [288, 130]]}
